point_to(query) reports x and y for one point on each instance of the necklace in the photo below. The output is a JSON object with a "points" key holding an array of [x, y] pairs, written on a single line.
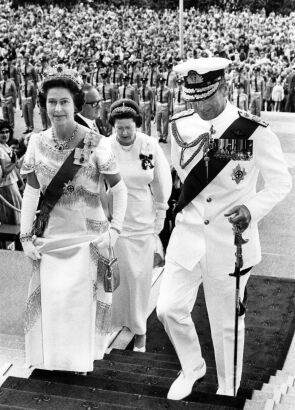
{"points": [[200, 141], [61, 145]]}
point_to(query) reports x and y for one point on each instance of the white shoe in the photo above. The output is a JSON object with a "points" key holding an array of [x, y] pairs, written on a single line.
{"points": [[183, 385], [229, 392], [139, 349]]}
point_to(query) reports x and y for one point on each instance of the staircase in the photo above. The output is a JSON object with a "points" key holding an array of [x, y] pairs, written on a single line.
{"points": [[124, 379]]}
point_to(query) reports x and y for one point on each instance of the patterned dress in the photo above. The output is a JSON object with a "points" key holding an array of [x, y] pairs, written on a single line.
{"points": [[68, 314]]}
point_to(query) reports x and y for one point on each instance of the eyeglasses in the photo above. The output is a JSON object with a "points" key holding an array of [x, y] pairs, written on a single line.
{"points": [[94, 104]]}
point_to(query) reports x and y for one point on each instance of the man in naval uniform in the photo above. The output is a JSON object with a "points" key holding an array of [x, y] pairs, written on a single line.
{"points": [[218, 152]]}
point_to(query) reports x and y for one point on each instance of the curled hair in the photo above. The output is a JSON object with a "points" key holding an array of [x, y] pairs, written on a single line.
{"points": [[78, 95], [123, 109], [4, 124]]}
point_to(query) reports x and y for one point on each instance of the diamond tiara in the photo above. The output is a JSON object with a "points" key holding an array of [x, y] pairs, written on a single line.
{"points": [[124, 109], [62, 72]]}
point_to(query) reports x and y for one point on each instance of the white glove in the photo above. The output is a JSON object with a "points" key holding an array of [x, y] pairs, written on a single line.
{"points": [[107, 239], [30, 250], [29, 207], [159, 221], [119, 193]]}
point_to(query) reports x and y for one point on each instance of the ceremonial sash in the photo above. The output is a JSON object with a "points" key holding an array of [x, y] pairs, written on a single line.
{"points": [[196, 180], [55, 189]]}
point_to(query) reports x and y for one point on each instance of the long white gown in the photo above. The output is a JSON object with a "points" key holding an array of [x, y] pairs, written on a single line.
{"points": [[68, 314], [148, 189]]}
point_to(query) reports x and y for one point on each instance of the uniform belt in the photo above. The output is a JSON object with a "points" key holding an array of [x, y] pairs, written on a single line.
{"points": [[164, 104], [26, 98], [181, 103], [145, 102], [7, 99], [106, 101]]}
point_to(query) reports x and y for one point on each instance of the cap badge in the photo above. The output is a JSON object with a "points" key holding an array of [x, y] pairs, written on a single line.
{"points": [[194, 78], [238, 174]]}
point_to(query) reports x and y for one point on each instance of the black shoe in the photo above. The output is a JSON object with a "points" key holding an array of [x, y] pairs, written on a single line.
{"points": [[164, 140], [161, 140], [26, 132]]}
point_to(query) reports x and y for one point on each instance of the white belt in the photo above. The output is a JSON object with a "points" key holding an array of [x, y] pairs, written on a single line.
{"points": [[26, 98], [7, 99], [162, 104], [106, 101], [145, 102]]}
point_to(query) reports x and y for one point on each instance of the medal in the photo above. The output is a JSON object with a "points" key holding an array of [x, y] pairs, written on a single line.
{"points": [[238, 174]]}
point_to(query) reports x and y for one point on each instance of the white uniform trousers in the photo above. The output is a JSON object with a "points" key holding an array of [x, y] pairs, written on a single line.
{"points": [[178, 293]]}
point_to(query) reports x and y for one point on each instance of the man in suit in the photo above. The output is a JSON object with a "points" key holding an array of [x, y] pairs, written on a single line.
{"points": [[218, 153], [89, 115]]}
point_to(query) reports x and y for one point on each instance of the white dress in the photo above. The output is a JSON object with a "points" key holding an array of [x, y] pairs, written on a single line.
{"points": [[148, 190], [68, 314]]}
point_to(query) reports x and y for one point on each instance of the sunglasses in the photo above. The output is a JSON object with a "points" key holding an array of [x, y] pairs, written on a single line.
{"points": [[94, 104]]}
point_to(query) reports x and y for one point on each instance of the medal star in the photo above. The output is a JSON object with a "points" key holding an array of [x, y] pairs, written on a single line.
{"points": [[238, 174]]}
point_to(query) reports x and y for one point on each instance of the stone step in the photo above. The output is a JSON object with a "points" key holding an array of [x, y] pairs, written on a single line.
{"points": [[259, 405], [284, 407], [167, 361], [92, 394], [31, 400], [144, 389], [288, 399]]}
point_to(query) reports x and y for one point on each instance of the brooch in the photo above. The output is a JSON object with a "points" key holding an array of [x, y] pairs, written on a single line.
{"points": [[146, 161], [238, 174], [81, 156], [68, 188]]}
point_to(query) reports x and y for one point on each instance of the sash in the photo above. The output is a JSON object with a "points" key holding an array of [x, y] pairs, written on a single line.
{"points": [[55, 189], [196, 180]]}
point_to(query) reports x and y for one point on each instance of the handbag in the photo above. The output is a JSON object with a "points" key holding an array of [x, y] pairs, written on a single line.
{"points": [[108, 270]]}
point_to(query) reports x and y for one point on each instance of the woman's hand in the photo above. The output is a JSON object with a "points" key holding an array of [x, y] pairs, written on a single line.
{"points": [[107, 239], [30, 250]]}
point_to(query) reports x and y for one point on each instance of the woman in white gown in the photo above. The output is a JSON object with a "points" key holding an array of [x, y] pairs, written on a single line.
{"points": [[146, 173], [68, 314]]}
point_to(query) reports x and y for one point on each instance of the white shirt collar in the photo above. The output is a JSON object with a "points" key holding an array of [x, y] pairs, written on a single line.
{"points": [[89, 122]]}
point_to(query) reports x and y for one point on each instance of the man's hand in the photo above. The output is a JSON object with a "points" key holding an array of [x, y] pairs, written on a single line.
{"points": [[241, 216]]}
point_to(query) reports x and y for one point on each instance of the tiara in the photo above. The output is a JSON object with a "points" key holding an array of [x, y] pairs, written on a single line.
{"points": [[124, 109], [62, 72]]}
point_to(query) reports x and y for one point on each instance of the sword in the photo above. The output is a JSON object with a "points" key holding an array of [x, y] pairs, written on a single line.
{"points": [[238, 241]]}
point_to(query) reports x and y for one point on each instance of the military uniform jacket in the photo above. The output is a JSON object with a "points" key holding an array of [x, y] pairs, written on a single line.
{"points": [[128, 91], [202, 232], [8, 89], [107, 92]]}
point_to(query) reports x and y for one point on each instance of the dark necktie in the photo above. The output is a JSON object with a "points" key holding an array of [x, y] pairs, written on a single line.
{"points": [[131, 79], [151, 82], [26, 89], [103, 93], [143, 93], [167, 80], [114, 76], [124, 92], [97, 74], [256, 86], [26, 69], [4, 89], [238, 101], [179, 94], [161, 95]]}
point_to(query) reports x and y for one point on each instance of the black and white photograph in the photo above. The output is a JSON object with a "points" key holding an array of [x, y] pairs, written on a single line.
{"points": [[147, 217]]}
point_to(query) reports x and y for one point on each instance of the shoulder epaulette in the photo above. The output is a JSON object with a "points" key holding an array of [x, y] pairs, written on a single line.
{"points": [[182, 114], [253, 118]]}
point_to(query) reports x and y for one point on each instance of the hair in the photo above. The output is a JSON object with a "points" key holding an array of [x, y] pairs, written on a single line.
{"points": [[5, 125], [78, 94], [136, 117]]}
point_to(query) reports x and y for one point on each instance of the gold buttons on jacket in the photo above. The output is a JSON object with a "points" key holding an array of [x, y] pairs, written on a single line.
{"points": [[206, 222]]}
